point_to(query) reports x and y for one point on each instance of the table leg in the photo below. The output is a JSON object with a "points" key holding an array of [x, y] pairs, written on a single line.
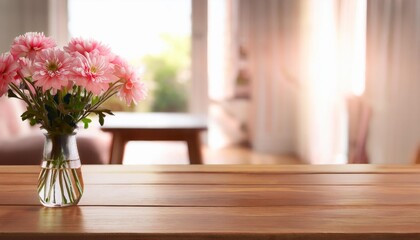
{"points": [[194, 149], [117, 149]]}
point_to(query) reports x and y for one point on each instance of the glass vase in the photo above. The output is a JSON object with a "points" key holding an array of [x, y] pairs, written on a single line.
{"points": [[60, 183]]}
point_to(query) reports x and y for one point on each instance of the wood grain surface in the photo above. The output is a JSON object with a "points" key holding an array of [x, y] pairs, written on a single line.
{"points": [[220, 202]]}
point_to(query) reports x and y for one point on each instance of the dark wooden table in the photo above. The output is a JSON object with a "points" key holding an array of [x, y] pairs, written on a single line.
{"points": [[127, 126], [220, 202]]}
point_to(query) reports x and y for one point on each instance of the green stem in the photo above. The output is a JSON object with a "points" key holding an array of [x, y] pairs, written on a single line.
{"points": [[68, 181], [60, 182], [77, 180], [51, 185], [108, 94], [20, 93]]}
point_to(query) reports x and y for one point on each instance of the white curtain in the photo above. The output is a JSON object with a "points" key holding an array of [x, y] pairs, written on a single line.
{"points": [[314, 92], [318, 118], [393, 80], [304, 58], [222, 44], [332, 69], [227, 113], [269, 31]]}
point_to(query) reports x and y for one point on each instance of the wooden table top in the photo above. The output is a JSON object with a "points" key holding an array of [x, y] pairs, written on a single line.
{"points": [[220, 202], [133, 120], [132, 126]]}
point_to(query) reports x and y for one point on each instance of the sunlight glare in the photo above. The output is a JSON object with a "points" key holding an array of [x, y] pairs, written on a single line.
{"points": [[132, 28]]}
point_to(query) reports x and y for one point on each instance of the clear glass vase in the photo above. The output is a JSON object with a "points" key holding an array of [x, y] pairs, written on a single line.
{"points": [[60, 182]]}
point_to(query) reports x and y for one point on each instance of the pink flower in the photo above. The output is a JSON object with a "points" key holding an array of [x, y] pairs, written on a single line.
{"points": [[51, 69], [26, 70], [121, 68], [117, 60], [93, 72], [26, 67], [132, 91], [8, 71], [29, 44], [83, 46]]}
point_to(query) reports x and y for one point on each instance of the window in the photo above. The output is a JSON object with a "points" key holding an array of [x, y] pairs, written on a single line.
{"points": [[154, 35]]}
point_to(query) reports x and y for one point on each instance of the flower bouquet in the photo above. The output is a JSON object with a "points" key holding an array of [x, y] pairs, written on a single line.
{"points": [[61, 88]]}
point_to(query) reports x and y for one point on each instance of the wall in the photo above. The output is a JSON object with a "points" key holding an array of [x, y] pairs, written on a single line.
{"points": [[20, 16]]}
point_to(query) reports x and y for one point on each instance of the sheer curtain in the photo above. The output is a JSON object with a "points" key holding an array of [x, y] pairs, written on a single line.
{"points": [[333, 38], [303, 58], [224, 126], [253, 70], [269, 32], [393, 80]]}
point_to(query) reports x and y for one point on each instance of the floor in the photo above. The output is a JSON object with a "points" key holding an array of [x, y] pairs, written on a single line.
{"points": [[176, 153]]}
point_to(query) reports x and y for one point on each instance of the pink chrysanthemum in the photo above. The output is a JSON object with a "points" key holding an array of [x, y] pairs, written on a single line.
{"points": [[119, 61], [83, 46], [132, 91], [29, 44], [26, 70], [121, 68], [26, 67], [8, 71], [51, 69], [93, 72]]}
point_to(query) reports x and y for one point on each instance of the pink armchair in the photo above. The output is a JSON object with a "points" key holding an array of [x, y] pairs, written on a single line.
{"points": [[21, 144]]}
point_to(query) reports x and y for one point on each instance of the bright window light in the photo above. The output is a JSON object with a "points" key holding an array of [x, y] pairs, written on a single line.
{"points": [[132, 28], [153, 35]]}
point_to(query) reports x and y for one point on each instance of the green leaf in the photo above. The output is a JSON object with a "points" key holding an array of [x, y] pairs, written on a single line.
{"points": [[27, 115], [101, 118], [32, 121], [51, 113], [108, 112], [11, 94], [86, 122], [69, 120], [95, 100], [56, 98], [66, 99]]}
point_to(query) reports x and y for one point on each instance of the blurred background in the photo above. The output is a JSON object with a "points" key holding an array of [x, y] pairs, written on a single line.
{"points": [[280, 81]]}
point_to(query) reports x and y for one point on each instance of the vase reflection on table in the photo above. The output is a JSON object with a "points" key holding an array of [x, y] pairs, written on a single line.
{"points": [[61, 88]]}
